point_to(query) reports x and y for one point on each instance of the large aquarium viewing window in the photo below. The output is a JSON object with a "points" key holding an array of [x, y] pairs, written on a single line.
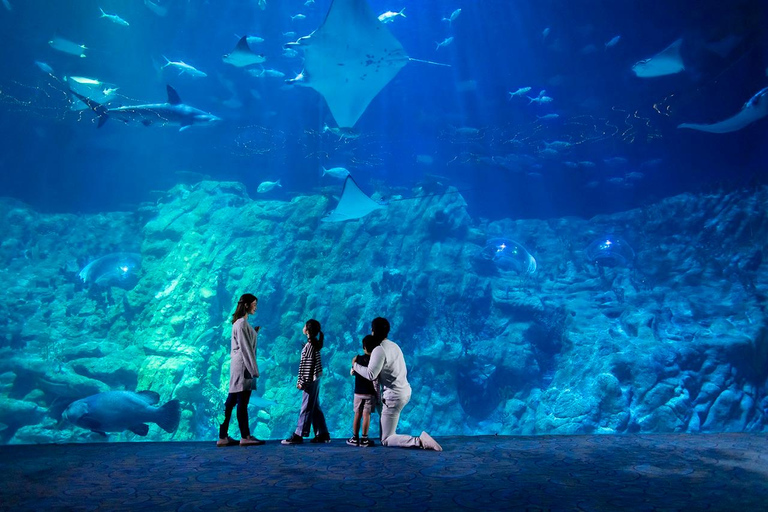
{"points": [[558, 206]]}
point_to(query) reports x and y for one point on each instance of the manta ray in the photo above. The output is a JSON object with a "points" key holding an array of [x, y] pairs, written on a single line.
{"points": [[353, 204], [666, 62], [349, 59], [242, 55], [754, 109]]}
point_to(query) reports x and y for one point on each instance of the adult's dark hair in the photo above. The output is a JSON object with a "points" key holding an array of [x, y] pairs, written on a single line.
{"points": [[243, 305], [379, 329], [370, 343], [316, 336]]}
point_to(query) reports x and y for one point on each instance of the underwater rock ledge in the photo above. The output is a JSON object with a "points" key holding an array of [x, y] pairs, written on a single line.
{"points": [[674, 340]]}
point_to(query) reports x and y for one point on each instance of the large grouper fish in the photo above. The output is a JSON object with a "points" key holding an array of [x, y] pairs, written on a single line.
{"points": [[117, 411]]}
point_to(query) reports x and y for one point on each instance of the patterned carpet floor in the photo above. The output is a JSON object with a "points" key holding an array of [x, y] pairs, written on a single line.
{"points": [[634, 472]]}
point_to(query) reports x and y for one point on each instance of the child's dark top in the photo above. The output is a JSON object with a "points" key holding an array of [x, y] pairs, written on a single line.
{"points": [[363, 386]]}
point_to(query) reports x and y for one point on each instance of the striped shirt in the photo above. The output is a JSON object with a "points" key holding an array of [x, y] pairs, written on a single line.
{"points": [[311, 365]]}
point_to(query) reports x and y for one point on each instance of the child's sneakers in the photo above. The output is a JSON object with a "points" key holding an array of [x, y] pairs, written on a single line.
{"points": [[321, 438], [360, 442], [294, 439]]}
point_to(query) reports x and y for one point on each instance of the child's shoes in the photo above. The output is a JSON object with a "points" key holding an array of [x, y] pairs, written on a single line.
{"points": [[294, 439], [321, 438]]}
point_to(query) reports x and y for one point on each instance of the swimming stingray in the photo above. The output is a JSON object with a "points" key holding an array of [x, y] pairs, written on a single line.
{"points": [[242, 55], [754, 109], [354, 204], [349, 59], [667, 62]]}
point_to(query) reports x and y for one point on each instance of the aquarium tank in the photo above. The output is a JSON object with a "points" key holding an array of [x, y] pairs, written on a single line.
{"points": [[559, 206]]}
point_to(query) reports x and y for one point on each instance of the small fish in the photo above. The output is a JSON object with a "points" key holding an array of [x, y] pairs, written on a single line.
{"points": [[540, 100], [91, 82], [466, 131], [7, 5], [586, 163], [114, 18], [262, 4], [545, 33], [300, 79], [298, 17], [446, 42], [91, 88], [290, 34], [336, 172], [342, 133], [452, 17], [520, 92], [66, 46], [634, 175], [548, 117], [183, 67], [290, 53], [389, 16], [309, 2], [266, 186], [45, 68], [263, 73], [155, 8], [253, 40], [613, 42], [557, 144]]}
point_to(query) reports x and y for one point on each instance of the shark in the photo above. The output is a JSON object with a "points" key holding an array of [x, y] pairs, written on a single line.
{"points": [[755, 108], [174, 112], [666, 62]]}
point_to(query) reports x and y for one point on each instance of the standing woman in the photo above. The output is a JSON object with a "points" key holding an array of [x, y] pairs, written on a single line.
{"points": [[310, 370], [243, 372]]}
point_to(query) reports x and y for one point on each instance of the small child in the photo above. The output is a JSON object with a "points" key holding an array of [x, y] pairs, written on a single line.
{"points": [[366, 398], [310, 371]]}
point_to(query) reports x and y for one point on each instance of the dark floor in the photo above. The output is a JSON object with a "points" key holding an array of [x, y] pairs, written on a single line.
{"points": [[639, 472]]}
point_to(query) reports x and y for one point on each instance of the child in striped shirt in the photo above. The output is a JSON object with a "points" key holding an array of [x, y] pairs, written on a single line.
{"points": [[310, 370]]}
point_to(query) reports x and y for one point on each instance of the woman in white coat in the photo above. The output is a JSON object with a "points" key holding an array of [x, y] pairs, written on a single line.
{"points": [[243, 372]]}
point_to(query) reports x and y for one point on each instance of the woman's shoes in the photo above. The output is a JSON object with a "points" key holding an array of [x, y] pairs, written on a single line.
{"points": [[227, 441], [251, 441]]}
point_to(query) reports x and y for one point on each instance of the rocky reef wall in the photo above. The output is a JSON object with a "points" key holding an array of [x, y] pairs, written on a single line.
{"points": [[673, 341]]}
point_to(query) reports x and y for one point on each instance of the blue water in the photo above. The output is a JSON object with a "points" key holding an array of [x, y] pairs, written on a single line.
{"points": [[517, 302], [498, 47]]}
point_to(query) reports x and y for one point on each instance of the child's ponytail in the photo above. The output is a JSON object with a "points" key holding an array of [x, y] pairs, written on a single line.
{"points": [[316, 336]]}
